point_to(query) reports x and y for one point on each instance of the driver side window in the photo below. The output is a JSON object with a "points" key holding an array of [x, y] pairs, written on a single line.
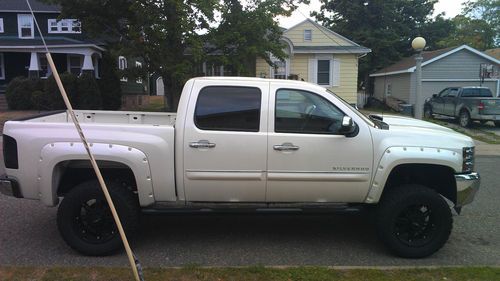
{"points": [[305, 113], [443, 93]]}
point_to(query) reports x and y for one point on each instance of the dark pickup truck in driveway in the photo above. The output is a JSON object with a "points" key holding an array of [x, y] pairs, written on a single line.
{"points": [[465, 103]]}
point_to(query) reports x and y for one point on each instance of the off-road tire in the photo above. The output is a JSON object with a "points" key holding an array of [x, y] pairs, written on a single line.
{"points": [[395, 205], [464, 119], [70, 217]]}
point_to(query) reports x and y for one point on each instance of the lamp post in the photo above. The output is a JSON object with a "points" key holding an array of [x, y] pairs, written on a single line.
{"points": [[418, 44]]}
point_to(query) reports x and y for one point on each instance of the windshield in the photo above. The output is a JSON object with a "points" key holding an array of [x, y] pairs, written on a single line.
{"points": [[357, 112]]}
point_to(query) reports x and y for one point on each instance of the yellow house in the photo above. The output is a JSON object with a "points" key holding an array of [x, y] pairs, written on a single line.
{"points": [[318, 55]]}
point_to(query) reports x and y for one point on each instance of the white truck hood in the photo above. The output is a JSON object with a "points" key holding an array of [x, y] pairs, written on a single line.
{"points": [[394, 120], [413, 132]]}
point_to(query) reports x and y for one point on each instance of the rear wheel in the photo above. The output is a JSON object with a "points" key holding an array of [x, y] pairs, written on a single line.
{"points": [[464, 118], [413, 221], [85, 220]]}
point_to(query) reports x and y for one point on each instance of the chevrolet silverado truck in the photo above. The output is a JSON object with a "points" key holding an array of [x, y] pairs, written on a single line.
{"points": [[467, 104], [244, 144]]}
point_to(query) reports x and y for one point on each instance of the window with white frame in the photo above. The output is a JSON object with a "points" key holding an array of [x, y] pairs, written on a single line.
{"points": [[1, 25], [45, 70], [25, 26], [323, 72], [138, 64], [279, 70], [122, 65], [2, 67], [307, 35], [64, 26], [75, 64]]}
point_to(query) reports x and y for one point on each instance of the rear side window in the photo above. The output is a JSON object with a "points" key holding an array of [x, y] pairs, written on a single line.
{"points": [[224, 108], [476, 92]]}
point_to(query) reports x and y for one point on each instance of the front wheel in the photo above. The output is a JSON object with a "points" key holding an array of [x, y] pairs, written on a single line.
{"points": [[428, 112], [413, 221], [85, 221]]}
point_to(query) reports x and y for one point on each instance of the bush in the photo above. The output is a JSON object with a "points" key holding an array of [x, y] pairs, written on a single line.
{"points": [[109, 84], [51, 98], [89, 96], [40, 100], [19, 92]]}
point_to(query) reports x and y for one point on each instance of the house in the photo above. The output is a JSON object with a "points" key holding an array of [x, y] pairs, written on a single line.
{"points": [[450, 67], [318, 55], [22, 52], [315, 54]]}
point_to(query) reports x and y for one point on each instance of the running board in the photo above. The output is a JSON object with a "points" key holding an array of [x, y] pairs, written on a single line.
{"points": [[258, 208]]}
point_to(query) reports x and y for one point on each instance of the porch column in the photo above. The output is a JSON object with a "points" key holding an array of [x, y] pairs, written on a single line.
{"points": [[33, 70], [88, 66]]}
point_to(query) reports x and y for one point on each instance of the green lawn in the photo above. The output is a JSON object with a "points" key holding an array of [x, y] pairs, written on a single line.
{"points": [[252, 273]]}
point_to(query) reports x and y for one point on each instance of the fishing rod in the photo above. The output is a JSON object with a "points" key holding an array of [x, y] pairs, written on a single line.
{"points": [[134, 262]]}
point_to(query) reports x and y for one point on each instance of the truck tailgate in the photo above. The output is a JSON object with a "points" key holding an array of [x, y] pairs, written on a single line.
{"points": [[491, 107]]}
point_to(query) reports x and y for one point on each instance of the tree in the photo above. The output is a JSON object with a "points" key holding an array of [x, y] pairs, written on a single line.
{"points": [[435, 30], [160, 32], [476, 33], [246, 32], [167, 34], [109, 84], [89, 96], [488, 11], [385, 26]]}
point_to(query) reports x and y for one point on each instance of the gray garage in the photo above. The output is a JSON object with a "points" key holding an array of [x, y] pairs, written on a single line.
{"points": [[450, 67]]}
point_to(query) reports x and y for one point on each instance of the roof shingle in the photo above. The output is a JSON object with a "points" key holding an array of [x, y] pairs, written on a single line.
{"points": [[409, 62]]}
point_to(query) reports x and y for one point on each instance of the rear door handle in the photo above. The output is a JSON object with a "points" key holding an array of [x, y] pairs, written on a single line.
{"points": [[285, 147], [202, 144]]}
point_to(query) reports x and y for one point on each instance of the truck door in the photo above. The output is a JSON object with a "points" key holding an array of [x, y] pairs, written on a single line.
{"points": [[437, 103], [309, 160], [225, 147], [450, 102]]}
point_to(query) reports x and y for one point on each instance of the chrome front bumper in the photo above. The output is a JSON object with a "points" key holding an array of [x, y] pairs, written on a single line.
{"points": [[467, 186], [10, 187]]}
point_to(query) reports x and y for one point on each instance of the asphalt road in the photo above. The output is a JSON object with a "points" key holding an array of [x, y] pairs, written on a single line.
{"points": [[29, 236]]}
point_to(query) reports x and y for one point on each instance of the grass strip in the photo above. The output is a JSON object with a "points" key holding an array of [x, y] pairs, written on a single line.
{"points": [[251, 274]]}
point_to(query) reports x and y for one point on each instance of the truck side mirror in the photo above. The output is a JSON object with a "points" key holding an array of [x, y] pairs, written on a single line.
{"points": [[434, 95], [349, 128]]}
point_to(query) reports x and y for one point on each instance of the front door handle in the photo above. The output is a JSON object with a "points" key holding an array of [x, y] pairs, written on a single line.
{"points": [[286, 147], [202, 144]]}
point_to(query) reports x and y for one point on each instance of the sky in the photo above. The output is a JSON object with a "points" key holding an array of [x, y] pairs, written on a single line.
{"points": [[450, 7]]}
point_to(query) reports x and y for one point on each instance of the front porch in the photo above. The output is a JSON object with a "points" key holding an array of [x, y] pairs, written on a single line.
{"points": [[30, 61]]}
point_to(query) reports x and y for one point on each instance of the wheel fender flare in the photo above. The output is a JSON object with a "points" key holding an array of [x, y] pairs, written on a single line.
{"points": [[395, 156], [55, 153]]}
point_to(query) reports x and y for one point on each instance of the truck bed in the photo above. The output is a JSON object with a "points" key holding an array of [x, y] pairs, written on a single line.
{"points": [[107, 117], [144, 141]]}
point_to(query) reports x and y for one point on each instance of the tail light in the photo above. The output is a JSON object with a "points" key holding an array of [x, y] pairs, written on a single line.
{"points": [[480, 106], [10, 152]]}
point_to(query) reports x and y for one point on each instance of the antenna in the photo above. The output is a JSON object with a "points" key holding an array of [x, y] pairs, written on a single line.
{"points": [[134, 262]]}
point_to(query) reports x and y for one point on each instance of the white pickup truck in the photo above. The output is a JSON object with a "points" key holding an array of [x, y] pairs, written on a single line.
{"points": [[243, 144]]}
